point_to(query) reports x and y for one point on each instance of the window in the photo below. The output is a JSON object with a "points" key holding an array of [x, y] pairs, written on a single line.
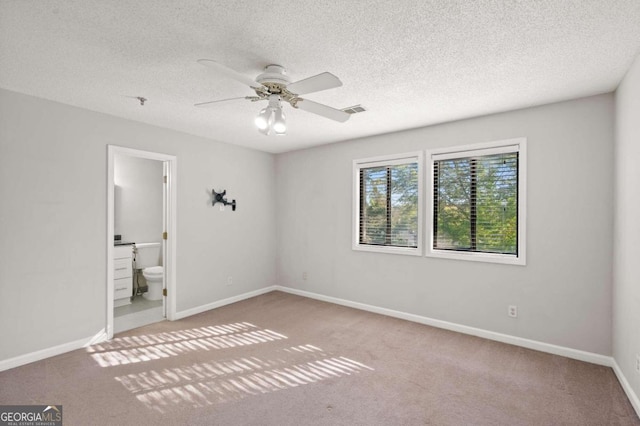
{"points": [[387, 204], [477, 202]]}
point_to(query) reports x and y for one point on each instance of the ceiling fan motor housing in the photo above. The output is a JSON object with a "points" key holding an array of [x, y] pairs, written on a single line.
{"points": [[273, 74]]}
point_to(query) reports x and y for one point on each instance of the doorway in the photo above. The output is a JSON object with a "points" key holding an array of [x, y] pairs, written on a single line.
{"points": [[129, 295]]}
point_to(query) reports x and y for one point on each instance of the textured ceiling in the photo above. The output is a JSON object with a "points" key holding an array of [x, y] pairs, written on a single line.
{"points": [[410, 63]]}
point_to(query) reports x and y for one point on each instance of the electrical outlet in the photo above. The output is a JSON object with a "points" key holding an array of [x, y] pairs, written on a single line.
{"points": [[304, 276], [513, 311], [229, 280], [638, 363]]}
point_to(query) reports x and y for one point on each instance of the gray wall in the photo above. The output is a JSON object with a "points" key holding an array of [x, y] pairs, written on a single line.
{"points": [[563, 293], [138, 199], [53, 183], [53, 225], [626, 302]]}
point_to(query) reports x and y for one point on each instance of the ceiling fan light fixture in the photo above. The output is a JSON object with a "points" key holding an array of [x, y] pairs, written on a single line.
{"points": [[279, 125], [263, 119]]}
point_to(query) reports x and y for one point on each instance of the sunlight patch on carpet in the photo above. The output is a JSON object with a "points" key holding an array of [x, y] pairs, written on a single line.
{"points": [[213, 382], [134, 349]]}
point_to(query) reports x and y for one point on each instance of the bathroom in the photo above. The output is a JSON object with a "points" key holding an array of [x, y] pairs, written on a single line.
{"points": [[138, 248]]}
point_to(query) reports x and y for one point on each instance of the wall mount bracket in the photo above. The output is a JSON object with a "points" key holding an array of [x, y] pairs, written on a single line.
{"points": [[218, 197]]}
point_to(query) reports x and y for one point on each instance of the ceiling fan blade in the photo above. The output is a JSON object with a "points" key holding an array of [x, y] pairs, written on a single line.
{"points": [[323, 110], [210, 103], [228, 72], [319, 82]]}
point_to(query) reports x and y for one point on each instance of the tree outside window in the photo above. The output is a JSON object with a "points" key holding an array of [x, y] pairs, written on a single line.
{"points": [[476, 204], [389, 205]]}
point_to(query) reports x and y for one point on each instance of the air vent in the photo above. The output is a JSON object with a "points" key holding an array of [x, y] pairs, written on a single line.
{"points": [[354, 109]]}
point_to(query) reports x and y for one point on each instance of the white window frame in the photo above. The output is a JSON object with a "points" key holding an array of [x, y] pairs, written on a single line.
{"points": [[388, 160], [488, 148]]}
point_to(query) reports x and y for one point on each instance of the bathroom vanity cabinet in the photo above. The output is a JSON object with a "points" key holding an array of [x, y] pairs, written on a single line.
{"points": [[122, 275]]}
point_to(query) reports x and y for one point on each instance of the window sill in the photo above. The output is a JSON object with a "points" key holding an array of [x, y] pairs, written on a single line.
{"points": [[478, 257], [410, 251]]}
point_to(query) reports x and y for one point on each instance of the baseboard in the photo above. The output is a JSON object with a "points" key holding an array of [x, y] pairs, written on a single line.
{"points": [[635, 401], [100, 337], [223, 302], [504, 338], [7, 364]]}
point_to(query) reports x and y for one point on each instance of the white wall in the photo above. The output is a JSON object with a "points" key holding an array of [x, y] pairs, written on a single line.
{"points": [[563, 293], [626, 301], [138, 199], [53, 188]]}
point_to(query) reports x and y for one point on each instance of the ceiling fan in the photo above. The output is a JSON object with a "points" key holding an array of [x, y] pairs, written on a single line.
{"points": [[275, 86]]}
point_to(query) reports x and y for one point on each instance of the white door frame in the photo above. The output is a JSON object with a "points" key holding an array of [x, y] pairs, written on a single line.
{"points": [[169, 261]]}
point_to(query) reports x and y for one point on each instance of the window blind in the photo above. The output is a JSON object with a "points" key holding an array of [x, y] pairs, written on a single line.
{"points": [[389, 205], [475, 203]]}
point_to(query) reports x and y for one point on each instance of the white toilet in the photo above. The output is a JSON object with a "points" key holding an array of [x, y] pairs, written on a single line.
{"points": [[149, 259], [153, 275]]}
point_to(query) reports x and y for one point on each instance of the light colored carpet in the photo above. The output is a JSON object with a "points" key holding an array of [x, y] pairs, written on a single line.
{"points": [[280, 359]]}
